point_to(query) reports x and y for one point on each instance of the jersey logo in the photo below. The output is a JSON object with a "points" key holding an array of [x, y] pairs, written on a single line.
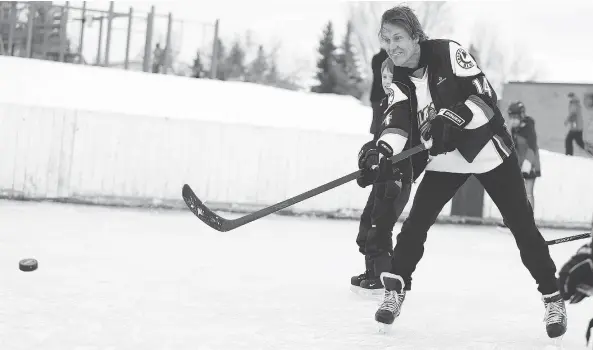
{"points": [[394, 94], [463, 59], [390, 94], [387, 119], [425, 115]]}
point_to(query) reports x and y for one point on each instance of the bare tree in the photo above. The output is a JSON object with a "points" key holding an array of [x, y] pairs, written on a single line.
{"points": [[500, 60]]}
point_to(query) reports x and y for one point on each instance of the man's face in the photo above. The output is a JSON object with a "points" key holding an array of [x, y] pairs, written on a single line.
{"points": [[400, 46]]}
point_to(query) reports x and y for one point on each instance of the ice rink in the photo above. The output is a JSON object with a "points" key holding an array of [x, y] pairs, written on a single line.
{"points": [[136, 279]]}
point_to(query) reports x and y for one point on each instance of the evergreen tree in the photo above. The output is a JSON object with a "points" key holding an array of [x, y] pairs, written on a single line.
{"points": [[326, 75], [236, 62], [258, 67], [348, 73], [272, 73]]}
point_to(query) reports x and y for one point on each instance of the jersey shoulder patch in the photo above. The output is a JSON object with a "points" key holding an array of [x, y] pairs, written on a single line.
{"points": [[394, 95], [462, 62]]}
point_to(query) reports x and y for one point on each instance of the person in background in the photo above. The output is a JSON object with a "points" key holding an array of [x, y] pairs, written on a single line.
{"points": [[575, 122], [157, 60], [575, 279], [522, 129]]}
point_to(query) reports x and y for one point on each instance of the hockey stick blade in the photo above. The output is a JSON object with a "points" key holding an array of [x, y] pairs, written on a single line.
{"points": [[221, 224], [569, 238], [196, 206]]}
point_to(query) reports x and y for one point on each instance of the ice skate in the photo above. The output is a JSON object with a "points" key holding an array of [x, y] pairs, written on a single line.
{"points": [[368, 273], [555, 316], [393, 299], [357, 280], [371, 286]]}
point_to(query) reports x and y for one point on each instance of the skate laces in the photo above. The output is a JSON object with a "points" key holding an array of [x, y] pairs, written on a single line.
{"points": [[555, 312], [392, 301]]}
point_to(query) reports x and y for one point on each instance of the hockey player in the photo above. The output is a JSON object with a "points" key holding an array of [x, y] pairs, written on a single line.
{"points": [[525, 140], [441, 94], [389, 195], [575, 278], [575, 123]]}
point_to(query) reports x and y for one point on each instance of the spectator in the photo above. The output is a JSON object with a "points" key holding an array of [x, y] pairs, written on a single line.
{"points": [[157, 61], [575, 122], [525, 140]]}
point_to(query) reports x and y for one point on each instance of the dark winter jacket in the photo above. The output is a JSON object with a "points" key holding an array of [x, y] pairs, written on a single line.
{"points": [[377, 92], [575, 115], [525, 140], [453, 78]]}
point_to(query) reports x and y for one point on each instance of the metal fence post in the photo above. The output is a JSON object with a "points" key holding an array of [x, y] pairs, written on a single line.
{"points": [[215, 48], [30, 24], [148, 42], [128, 38], [108, 37], [168, 56], [63, 34]]}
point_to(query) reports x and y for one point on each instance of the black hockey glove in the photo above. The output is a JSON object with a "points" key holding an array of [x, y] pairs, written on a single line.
{"points": [[377, 169], [372, 160], [575, 279], [444, 129]]}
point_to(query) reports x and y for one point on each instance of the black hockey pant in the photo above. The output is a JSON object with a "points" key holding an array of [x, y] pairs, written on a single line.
{"points": [[505, 186], [383, 213], [573, 135]]}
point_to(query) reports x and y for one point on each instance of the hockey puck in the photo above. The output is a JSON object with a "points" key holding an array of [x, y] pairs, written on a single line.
{"points": [[28, 265]]}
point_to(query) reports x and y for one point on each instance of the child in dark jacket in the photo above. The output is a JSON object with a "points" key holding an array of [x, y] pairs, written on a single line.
{"points": [[525, 139]]}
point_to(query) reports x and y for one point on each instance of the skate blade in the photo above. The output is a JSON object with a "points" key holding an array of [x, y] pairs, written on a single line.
{"points": [[556, 344], [370, 294], [383, 328]]}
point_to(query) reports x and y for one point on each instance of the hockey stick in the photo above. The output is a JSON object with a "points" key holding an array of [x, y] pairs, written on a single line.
{"points": [[569, 238], [221, 224]]}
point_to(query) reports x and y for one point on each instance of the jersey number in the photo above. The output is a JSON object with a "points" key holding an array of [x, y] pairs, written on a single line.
{"points": [[483, 87]]}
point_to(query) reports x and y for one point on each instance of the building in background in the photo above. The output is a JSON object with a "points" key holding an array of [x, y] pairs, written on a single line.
{"points": [[547, 103]]}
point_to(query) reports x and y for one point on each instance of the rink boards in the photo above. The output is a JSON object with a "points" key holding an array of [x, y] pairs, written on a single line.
{"points": [[228, 140]]}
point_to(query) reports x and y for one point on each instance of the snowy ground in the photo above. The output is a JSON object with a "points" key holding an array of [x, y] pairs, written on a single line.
{"points": [[133, 279]]}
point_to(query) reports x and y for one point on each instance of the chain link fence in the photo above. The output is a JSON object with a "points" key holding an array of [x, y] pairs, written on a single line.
{"points": [[133, 39]]}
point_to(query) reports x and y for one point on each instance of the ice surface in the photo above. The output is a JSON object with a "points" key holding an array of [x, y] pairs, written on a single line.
{"points": [[133, 279]]}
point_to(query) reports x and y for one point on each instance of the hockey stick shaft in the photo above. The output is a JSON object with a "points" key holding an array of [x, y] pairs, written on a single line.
{"points": [[218, 223], [569, 238]]}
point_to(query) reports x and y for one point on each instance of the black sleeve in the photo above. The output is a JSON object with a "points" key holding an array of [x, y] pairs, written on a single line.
{"points": [[478, 88], [377, 92], [480, 95], [531, 137]]}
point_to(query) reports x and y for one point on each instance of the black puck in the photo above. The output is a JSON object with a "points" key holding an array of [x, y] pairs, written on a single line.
{"points": [[28, 265]]}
